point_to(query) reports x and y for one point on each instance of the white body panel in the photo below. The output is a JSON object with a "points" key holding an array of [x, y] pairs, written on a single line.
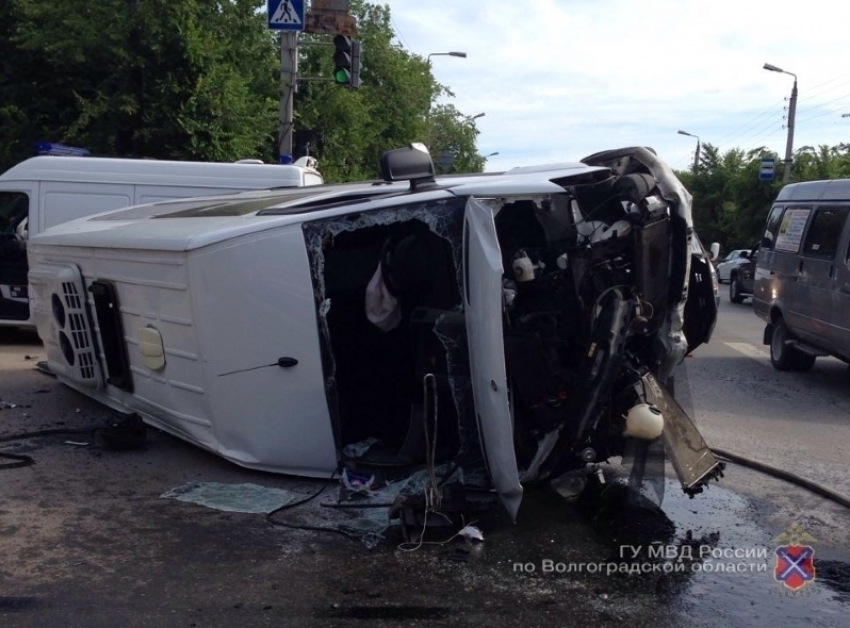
{"points": [[269, 418]]}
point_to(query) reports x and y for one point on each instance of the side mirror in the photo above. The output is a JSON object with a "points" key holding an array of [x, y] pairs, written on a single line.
{"points": [[715, 251]]}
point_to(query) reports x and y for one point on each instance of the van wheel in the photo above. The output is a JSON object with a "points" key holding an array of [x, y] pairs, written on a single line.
{"points": [[735, 290], [784, 357]]}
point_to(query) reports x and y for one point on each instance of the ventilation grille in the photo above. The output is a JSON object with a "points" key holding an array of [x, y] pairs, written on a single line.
{"points": [[81, 355]]}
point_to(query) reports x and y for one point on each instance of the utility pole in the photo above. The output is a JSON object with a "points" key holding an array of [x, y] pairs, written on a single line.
{"points": [[288, 82], [792, 110], [696, 154], [789, 146], [696, 158]]}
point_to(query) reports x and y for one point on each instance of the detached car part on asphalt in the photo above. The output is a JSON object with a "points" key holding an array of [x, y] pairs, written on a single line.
{"points": [[515, 325]]}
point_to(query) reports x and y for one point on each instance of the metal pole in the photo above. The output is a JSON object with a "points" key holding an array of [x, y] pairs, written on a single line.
{"points": [[288, 76], [696, 158], [789, 147]]}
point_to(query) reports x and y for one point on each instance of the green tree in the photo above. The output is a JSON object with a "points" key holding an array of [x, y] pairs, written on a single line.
{"points": [[185, 80], [731, 203], [451, 137], [200, 80]]}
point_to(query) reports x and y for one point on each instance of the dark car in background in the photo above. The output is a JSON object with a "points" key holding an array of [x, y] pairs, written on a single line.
{"points": [[741, 277]]}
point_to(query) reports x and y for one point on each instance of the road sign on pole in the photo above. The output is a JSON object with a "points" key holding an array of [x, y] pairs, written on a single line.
{"points": [[768, 169], [286, 15]]}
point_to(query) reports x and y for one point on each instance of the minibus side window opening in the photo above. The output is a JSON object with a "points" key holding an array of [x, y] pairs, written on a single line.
{"points": [[825, 233]]}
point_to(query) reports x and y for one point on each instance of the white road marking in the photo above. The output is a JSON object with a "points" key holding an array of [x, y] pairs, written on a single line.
{"points": [[751, 351]]}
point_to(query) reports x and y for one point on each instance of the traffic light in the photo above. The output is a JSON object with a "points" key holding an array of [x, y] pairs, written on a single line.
{"points": [[342, 60], [346, 61]]}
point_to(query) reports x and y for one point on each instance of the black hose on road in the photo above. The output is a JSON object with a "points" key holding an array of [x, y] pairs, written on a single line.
{"points": [[820, 489]]}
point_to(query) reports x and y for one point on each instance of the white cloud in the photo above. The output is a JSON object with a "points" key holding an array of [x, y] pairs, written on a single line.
{"points": [[560, 79]]}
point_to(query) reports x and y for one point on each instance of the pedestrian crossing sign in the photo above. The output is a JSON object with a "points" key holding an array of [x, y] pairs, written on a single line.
{"points": [[286, 15]]}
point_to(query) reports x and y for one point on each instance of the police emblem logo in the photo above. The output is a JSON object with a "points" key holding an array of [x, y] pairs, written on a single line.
{"points": [[794, 566]]}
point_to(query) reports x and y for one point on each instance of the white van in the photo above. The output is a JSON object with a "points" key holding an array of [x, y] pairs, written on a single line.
{"points": [[42, 192], [275, 328]]}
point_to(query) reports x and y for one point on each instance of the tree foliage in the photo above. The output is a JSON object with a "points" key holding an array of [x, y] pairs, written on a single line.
{"points": [[200, 79], [189, 79], [731, 204]]}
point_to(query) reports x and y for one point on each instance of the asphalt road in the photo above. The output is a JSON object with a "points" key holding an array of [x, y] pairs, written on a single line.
{"points": [[86, 540]]}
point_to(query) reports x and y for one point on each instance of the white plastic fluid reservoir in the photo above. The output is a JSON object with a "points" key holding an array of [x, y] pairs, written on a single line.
{"points": [[644, 421], [523, 269]]}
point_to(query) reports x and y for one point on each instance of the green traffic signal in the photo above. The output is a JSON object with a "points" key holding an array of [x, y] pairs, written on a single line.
{"points": [[342, 60], [347, 61], [342, 76]]}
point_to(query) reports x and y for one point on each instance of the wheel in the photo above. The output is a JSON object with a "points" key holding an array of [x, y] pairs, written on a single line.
{"points": [[784, 357], [780, 356], [735, 295]]}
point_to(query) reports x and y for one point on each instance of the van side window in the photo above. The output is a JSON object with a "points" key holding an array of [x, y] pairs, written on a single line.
{"points": [[825, 233], [14, 209], [772, 227]]}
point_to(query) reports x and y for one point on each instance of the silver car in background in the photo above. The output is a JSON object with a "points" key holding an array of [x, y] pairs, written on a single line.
{"points": [[731, 262]]}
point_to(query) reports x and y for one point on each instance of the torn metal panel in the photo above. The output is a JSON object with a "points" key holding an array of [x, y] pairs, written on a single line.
{"points": [[691, 457], [482, 262]]}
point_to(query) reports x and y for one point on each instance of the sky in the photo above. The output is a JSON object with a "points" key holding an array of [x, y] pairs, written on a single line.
{"points": [[559, 80]]}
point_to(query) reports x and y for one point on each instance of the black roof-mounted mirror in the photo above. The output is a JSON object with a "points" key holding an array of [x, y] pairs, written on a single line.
{"points": [[412, 163]]}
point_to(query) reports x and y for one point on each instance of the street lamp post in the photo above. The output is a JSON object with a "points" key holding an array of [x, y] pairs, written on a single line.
{"points": [[792, 110], [696, 154], [455, 53]]}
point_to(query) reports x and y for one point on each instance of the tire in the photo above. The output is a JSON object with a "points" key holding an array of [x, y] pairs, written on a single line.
{"points": [[735, 295], [784, 357]]}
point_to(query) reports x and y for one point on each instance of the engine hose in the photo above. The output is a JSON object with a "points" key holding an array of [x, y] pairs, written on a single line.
{"points": [[820, 489]]}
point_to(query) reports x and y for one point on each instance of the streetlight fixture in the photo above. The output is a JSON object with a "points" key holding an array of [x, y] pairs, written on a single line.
{"points": [[696, 154], [462, 55], [792, 109], [491, 155]]}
